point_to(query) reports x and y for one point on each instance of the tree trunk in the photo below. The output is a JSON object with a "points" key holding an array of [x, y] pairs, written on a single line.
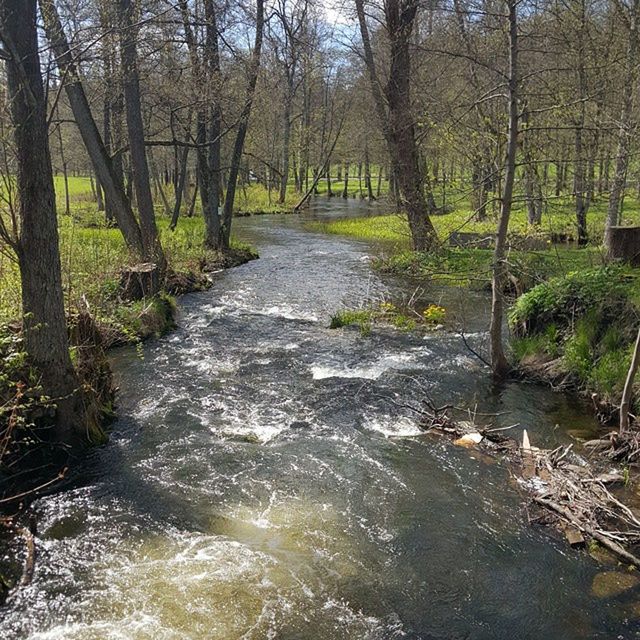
{"points": [[579, 183], [44, 325], [499, 363], [286, 142], [345, 188], [135, 129], [394, 111], [213, 79], [367, 174], [112, 185], [180, 187], [243, 124]]}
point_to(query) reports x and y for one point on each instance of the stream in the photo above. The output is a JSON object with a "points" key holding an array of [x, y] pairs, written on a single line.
{"points": [[265, 481]]}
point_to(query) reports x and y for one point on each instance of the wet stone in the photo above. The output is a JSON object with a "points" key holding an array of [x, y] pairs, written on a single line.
{"points": [[610, 584]]}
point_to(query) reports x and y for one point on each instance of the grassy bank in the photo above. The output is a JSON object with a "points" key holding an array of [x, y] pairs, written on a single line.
{"points": [[558, 219], [93, 254], [466, 266], [579, 330]]}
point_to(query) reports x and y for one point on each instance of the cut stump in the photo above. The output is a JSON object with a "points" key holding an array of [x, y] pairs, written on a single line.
{"points": [[624, 245], [140, 281]]}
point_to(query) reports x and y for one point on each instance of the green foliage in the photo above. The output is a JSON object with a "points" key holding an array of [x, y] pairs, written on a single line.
{"points": [[564, 299], [360, 317], [547, 343], [577, 352], [609, 372], [589, 319]]}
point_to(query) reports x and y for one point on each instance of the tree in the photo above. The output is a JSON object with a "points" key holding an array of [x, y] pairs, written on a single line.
{"points": [[499, 363], [135, 128], [43, 318], [393, 106], [108, 176], [243, 124]]}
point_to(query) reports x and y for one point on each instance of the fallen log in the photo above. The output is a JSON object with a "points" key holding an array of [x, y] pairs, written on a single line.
{"points": [[613, 546]]}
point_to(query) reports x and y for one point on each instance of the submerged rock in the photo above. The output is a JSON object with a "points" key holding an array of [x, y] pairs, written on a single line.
{"points": [[469, 440], [610, 584]]}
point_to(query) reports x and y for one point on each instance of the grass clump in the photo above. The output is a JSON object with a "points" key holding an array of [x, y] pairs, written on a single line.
{"points": [[387, 313], [361, 318]]}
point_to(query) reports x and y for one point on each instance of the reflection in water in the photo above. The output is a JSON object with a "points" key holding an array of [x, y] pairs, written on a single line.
{"points": [[263, 482]]}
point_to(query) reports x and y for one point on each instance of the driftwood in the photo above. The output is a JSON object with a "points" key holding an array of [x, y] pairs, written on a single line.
{"points": [[610, 544], [571, 490]]}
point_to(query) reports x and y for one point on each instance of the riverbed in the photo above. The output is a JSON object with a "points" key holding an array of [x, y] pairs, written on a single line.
{"points": [[265, 479]]}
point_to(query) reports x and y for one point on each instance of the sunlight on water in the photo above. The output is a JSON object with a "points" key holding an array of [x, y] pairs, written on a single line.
{"points": [[256, 571]]}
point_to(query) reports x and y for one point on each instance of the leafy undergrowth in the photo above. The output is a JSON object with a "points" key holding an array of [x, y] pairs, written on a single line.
{"points": [[580, 328], [388, 314]]}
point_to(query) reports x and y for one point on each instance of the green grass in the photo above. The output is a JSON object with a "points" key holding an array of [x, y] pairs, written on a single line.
{"points": [[559, 219], [93, 254]]}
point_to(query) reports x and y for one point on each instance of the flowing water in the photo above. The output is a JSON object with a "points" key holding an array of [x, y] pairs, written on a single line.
{"points": [[265, 480]]}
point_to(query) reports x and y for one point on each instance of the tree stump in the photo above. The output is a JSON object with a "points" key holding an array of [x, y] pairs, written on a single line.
{"points": [[624, 245], [140, 281]]}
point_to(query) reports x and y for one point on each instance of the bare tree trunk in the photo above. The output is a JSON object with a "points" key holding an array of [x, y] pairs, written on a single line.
{"points": [[180, 187], [286, 141], [625, 129], [43, 319], [499, 363], [533, 190], [394, 111], [345, 188], [478, 189], [625, 403], [367, 174], [328, 175], [135, 128], [579, 183], [113, 187], [211, 212], [241, 134]]}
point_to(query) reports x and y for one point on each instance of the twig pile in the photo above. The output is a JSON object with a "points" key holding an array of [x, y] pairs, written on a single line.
{"points": [[572, 492]]}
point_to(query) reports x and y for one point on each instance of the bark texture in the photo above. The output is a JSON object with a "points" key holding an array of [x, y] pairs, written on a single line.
{"points": [[44, 324]]}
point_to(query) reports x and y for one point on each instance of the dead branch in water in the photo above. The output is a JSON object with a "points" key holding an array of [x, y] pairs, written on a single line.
{"points": [[570, 489]]}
